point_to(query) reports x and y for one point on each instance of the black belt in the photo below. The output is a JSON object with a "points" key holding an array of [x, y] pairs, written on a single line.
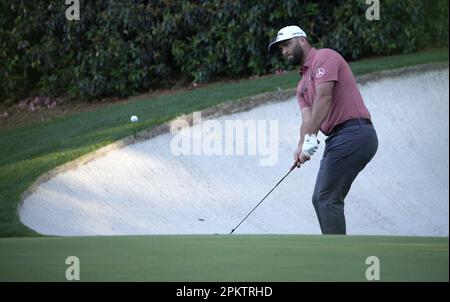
{"points": [[357, 121]]}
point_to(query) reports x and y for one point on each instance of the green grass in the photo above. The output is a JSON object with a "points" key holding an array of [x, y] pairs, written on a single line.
{"points": [[225, 258], [394, 62], [29, 151]]}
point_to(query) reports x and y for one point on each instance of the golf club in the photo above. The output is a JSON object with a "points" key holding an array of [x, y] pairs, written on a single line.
{"points": [[290, 170]]}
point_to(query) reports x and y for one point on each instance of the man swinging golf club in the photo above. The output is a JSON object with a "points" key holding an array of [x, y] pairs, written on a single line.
{"points": [[330, 101]]}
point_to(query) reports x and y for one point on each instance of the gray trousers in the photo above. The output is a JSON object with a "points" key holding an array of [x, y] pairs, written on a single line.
{"points": [[346, 153]]}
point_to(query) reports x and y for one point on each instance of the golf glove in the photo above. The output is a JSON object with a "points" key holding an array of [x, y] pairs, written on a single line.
{"points": [[310, 144]]}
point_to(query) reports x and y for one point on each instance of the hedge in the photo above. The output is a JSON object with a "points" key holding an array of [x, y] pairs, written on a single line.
{"points": [[122, 48]]}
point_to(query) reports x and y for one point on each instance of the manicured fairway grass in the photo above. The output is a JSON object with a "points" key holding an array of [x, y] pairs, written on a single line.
{"points": [[225, 258], [32, 150]]}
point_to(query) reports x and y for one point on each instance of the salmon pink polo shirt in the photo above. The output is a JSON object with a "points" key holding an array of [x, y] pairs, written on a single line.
{"points": [[326, 65]]}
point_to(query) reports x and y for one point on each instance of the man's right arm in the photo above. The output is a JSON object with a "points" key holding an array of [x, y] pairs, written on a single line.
{"points": [[298, 157], [306, 116]]}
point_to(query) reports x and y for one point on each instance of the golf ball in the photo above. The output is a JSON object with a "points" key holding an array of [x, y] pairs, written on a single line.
{"points": [[134, 119]]}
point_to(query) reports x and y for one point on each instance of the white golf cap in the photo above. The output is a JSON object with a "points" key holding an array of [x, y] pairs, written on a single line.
{"points": [[287, 33]]}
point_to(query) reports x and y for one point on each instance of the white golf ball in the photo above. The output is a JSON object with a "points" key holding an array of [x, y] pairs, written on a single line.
{"points": [[134, 119]]}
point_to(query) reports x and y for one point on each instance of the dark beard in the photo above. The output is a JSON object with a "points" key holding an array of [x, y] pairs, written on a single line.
{"points": [[297, 56]]}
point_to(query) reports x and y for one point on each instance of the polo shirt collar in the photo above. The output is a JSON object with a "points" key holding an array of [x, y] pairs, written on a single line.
{"points": [[309, 60]]}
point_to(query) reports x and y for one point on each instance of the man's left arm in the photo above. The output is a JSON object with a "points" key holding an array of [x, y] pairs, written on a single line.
{"points": [[321, 107]]}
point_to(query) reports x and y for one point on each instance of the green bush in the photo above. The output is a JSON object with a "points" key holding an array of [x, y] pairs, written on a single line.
{"points": [[121, 48], [404, 27]]}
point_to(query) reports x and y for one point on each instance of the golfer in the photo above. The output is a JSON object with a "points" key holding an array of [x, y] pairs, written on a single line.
{"points": [[329, 101]]}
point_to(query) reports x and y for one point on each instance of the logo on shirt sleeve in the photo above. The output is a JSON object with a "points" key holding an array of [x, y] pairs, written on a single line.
{"points": [[320, 72]]}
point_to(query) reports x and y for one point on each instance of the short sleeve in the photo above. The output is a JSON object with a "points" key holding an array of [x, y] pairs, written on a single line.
{"points": [[326, 67]]}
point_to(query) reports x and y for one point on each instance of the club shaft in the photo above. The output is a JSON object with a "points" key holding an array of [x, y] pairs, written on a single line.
{"points": [[290, 170]]}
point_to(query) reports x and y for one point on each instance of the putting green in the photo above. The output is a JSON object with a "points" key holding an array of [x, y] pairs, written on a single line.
{"points": [[225, 258]]}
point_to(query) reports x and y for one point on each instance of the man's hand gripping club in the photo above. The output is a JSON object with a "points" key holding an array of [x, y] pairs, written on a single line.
{"points": [[303, 154]]}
